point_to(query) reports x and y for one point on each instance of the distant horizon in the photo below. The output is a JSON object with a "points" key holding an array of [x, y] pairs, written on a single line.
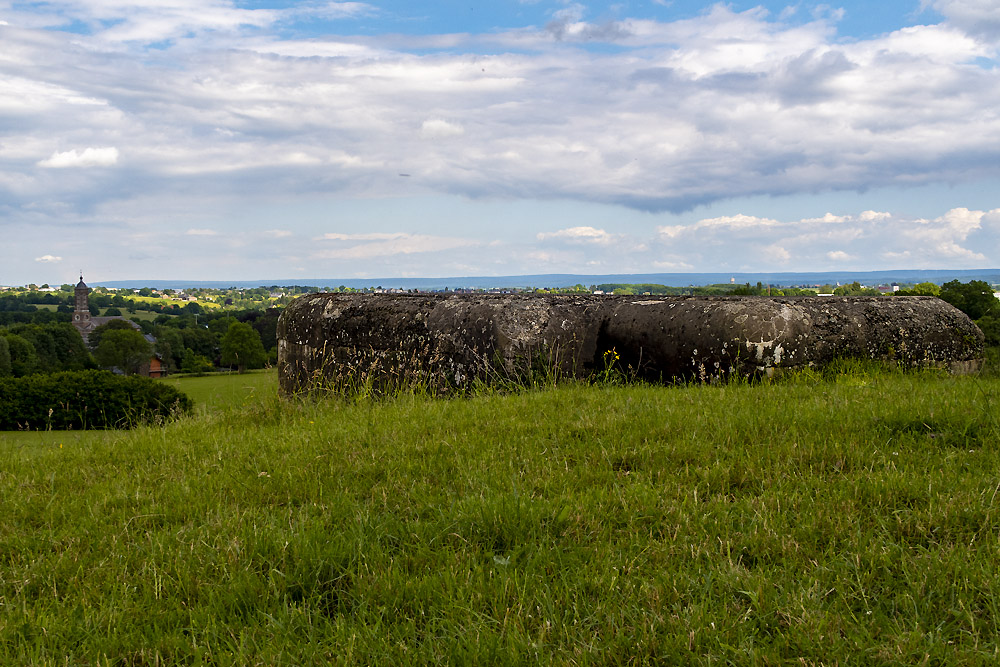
{"points": [[558, 280]]}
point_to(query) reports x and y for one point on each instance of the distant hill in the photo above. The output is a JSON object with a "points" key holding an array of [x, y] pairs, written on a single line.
{"points": [[991, 276]]}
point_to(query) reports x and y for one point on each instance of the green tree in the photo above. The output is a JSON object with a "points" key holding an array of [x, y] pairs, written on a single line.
{"points": [[58, 346], [126, 350], [202, 341], [920, 289], [94, 340], [265, 323], [855, 289], [990, 326], [974, 298], [241, 347], [221, 325], [169, 345], [5, 368], [23, 359], [192, 362], [43, 344]]}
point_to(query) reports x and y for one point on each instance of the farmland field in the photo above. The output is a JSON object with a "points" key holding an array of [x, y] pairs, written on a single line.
{"points": [[850, 517]]}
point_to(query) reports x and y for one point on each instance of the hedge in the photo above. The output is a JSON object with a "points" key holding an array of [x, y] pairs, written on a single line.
{"points": [[86, 400]]}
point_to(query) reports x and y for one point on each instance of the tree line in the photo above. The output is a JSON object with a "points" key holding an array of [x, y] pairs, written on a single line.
{"points": [[187, 343]]}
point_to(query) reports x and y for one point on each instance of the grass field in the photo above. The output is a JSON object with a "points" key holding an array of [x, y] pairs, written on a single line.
{"points": [[144, 315], [846, 519], [216, 391], [140, 314]]}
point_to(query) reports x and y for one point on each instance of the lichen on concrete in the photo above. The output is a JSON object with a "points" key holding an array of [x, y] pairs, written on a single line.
{"points": [[449, 342]]}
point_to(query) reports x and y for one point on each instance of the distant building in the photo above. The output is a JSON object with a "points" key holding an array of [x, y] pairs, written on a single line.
{"points": [[86, 324]]}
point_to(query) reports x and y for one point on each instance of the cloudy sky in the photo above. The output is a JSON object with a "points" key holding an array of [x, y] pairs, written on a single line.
{"points": [[281, 139]]}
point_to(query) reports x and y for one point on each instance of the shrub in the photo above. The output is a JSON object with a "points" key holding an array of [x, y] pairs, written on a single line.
{"points": [[86, 400]]}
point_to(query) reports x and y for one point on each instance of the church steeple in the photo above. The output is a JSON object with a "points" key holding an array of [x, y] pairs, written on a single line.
{"points": [[81, 312]]}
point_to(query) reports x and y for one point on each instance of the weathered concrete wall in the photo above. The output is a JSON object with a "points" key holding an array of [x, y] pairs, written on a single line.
{"points": [[449, 341]]}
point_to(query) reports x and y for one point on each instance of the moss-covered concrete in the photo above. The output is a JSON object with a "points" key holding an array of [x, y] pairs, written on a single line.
{"points": [[450, 341]]}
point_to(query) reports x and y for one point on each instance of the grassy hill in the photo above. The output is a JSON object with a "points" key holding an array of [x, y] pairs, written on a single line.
{"points": [[847, 518]]}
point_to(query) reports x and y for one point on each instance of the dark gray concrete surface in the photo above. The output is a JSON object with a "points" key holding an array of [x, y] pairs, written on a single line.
{"points": [[448, 342]]}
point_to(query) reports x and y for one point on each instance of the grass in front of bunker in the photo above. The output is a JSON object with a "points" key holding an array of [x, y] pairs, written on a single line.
{"points": [[840, 518]]}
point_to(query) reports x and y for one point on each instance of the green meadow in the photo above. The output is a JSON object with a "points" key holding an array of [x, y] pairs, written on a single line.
{"points": [[849, 517], [217, 391]]}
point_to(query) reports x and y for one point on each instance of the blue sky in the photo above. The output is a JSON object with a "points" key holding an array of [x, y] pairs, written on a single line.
{"points": [[242, 140], [856, 19]]}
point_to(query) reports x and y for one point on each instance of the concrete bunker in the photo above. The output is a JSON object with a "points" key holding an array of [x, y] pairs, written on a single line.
{"points": [[448, 342]]}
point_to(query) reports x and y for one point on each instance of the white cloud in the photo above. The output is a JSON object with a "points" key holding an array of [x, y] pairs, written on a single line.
{"points": [[829, 217], [672, 265], [48, 259], [977, 17], [579, 235], [201, 232], [336, 9], [722, 105], [117, 22], [89, 157], [738, 221], [776, 254], [373, 236], [944, 236], [730, 224], [440, 129], [874, 216], [865, 239], [376, 245]]}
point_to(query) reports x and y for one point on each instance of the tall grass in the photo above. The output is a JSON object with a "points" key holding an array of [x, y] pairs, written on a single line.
{"points": [[848, 518]]}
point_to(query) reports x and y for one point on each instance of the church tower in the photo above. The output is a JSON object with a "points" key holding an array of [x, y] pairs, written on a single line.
{"points": [[81, 312]]}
